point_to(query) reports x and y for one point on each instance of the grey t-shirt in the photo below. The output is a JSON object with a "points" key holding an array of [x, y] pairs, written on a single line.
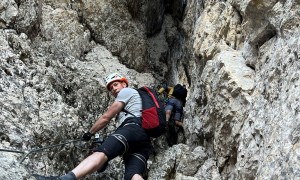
{"points": [[133, 104]]}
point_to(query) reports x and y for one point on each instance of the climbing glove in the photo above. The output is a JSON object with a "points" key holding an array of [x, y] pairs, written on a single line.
{"points": [[87, 136]]}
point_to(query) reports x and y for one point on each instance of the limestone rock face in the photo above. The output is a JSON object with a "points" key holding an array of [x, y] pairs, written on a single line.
{"points": [[252, 99], [239, 60]]}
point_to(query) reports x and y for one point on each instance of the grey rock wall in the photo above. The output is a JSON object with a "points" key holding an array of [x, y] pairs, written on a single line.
{"points": [[239, 60], [244, 113]]}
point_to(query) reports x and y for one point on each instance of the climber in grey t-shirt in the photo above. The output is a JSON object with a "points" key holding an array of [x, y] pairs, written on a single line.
{"points": [[129, 140]]}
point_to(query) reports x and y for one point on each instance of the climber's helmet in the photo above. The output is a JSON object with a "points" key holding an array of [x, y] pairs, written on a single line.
{"points": [[114, 77]]}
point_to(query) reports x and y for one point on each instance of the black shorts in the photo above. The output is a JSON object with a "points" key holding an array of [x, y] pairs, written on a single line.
{"points": [[131, 141]]}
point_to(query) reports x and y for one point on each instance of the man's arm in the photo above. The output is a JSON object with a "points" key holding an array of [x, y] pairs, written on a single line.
{"points": [[112, 111]]}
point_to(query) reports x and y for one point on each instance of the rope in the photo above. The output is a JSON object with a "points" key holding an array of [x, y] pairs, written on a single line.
{"points": [[41, 149], [14, 151], [47, 147], [38, 149]]}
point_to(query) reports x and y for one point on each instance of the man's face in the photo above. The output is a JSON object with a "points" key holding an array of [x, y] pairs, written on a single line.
{"points": [[116, 87]]}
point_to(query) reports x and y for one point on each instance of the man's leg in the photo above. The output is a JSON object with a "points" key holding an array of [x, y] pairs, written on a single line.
{"points": [[115, 145], [135, 165], [171, 134], [90, 164], [137, 177]]}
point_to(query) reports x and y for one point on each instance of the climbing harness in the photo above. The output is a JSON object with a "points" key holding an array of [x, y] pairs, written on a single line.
{"points": [[26, 152]]}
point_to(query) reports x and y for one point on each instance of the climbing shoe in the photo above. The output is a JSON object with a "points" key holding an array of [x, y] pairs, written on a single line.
{"points": [[40, 177]]}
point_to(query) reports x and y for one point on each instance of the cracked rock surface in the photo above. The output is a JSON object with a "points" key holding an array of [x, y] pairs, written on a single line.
{"points": [[239, 60]]}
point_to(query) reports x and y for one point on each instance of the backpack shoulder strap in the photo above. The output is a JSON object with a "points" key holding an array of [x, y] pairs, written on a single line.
{"points": [[124, 110], [151, 95]]}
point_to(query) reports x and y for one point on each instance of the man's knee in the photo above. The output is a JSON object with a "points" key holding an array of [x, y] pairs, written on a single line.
{"points": [[129, 176], [99, 157], [137, 177]]}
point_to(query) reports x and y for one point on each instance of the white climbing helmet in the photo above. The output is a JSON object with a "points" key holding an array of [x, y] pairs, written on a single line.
{"points": [[114, 77]]}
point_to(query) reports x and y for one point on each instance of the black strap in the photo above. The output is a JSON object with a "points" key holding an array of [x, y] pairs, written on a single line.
{"points": [[124, 110]]}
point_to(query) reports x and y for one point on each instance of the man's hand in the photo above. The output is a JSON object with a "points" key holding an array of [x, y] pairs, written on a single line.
{"points": [[87, 136]]}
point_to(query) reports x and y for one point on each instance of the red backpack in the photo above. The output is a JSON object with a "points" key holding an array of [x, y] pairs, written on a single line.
{"points": [[153, 112]]}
